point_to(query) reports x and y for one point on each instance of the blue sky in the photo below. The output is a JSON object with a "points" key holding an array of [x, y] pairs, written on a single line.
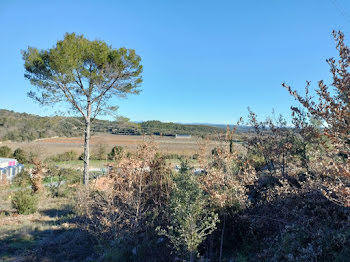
{"points": [[204, 61]]}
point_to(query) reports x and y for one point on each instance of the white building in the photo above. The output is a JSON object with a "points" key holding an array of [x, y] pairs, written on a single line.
{"points": [[9, 168], [182, 136]]}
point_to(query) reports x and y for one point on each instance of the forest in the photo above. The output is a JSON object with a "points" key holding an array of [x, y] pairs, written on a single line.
{"points": [[26, 127]]}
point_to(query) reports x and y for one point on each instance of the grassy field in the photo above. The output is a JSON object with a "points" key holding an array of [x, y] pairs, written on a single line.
{"points": [[52, 146], [167, 145]]}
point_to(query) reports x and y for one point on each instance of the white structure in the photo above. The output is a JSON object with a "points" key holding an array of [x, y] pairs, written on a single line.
{"points": [[9, 168], [182, 136]]}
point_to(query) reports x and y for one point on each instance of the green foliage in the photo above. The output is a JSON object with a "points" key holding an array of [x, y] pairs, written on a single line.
{"points": [[191, 222], [69, 175], [85, 75], [171, 129], [5, 151], [61, 73], [27, 127], [257, 160], [25, 202], [296, 244], [184, 167], [20, 155], [66, 156], [100, 153], [116, 153], [22, 179], [63, 178]]}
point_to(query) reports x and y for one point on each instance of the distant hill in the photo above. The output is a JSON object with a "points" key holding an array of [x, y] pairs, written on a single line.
{"points": [[27, 127], [240, 129]]}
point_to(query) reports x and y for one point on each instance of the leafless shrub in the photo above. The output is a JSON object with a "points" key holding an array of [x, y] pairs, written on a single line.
{"points": [[333, 110], [37, 175], [135, 191]]}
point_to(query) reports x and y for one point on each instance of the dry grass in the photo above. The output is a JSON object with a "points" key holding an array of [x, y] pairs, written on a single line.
{"points": [[52, 146], [36, 237]]}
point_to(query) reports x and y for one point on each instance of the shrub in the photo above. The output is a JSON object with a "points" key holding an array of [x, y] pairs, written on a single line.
{"points": [[66, 156], [20, 155], [25, 202], [5, 151], [63, 177], [22, 179], [173, 156], [100, 152], [116, 153], [333, 104], [129, 200], [37, 175], [191, 222]]}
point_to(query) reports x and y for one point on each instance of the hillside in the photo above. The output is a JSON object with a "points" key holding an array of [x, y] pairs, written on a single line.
{"points": [[27, 127]]}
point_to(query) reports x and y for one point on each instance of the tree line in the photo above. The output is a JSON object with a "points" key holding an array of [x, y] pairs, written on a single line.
{"points": [[27, 127]]}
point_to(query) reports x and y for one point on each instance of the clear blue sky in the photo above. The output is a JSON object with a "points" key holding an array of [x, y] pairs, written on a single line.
{"points": [[204, 61]]}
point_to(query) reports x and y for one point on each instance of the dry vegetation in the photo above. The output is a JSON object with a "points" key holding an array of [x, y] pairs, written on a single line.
{"points": [[52, 146], [50, 234], [286, 197]]}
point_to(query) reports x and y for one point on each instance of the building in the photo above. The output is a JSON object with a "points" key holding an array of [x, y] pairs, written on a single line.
{"points": [[182, 136], [9, 168]]}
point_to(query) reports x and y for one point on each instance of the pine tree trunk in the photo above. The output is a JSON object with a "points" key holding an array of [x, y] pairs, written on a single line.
{"points": [[87, 147], [192, 256]]}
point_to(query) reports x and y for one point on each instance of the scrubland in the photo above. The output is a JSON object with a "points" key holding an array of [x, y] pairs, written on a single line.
{"points": [[284, 196]]}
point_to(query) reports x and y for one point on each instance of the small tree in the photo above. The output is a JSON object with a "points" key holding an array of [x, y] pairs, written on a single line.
{"points": [[332, 109], [191, 222], [20, 155], [25, 202], [333, 105], [307, 137], [84, 74], [37, 176], [224, 180]]}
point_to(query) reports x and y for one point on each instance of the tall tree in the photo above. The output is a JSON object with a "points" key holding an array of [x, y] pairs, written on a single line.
{"points": [[84, 74]]}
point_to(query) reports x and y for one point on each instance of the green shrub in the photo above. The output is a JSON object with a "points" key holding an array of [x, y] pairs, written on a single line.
{"points": [[116, 153], [20, 155], [63, 177], [66, 156], [257, 160], [173, 156], [100, 152], [22, 179], [5, 151], [191, 221], [25, 202]]}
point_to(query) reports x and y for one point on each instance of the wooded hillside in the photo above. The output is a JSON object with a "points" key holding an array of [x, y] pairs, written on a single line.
{"points": [[26, 127]]}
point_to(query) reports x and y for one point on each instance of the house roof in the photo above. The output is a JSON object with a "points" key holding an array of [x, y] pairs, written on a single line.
{"points": [[5, 160]]}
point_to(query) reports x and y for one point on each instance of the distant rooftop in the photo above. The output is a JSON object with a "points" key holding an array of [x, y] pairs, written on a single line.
{"points": [[2, 160], [182, 136]]}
